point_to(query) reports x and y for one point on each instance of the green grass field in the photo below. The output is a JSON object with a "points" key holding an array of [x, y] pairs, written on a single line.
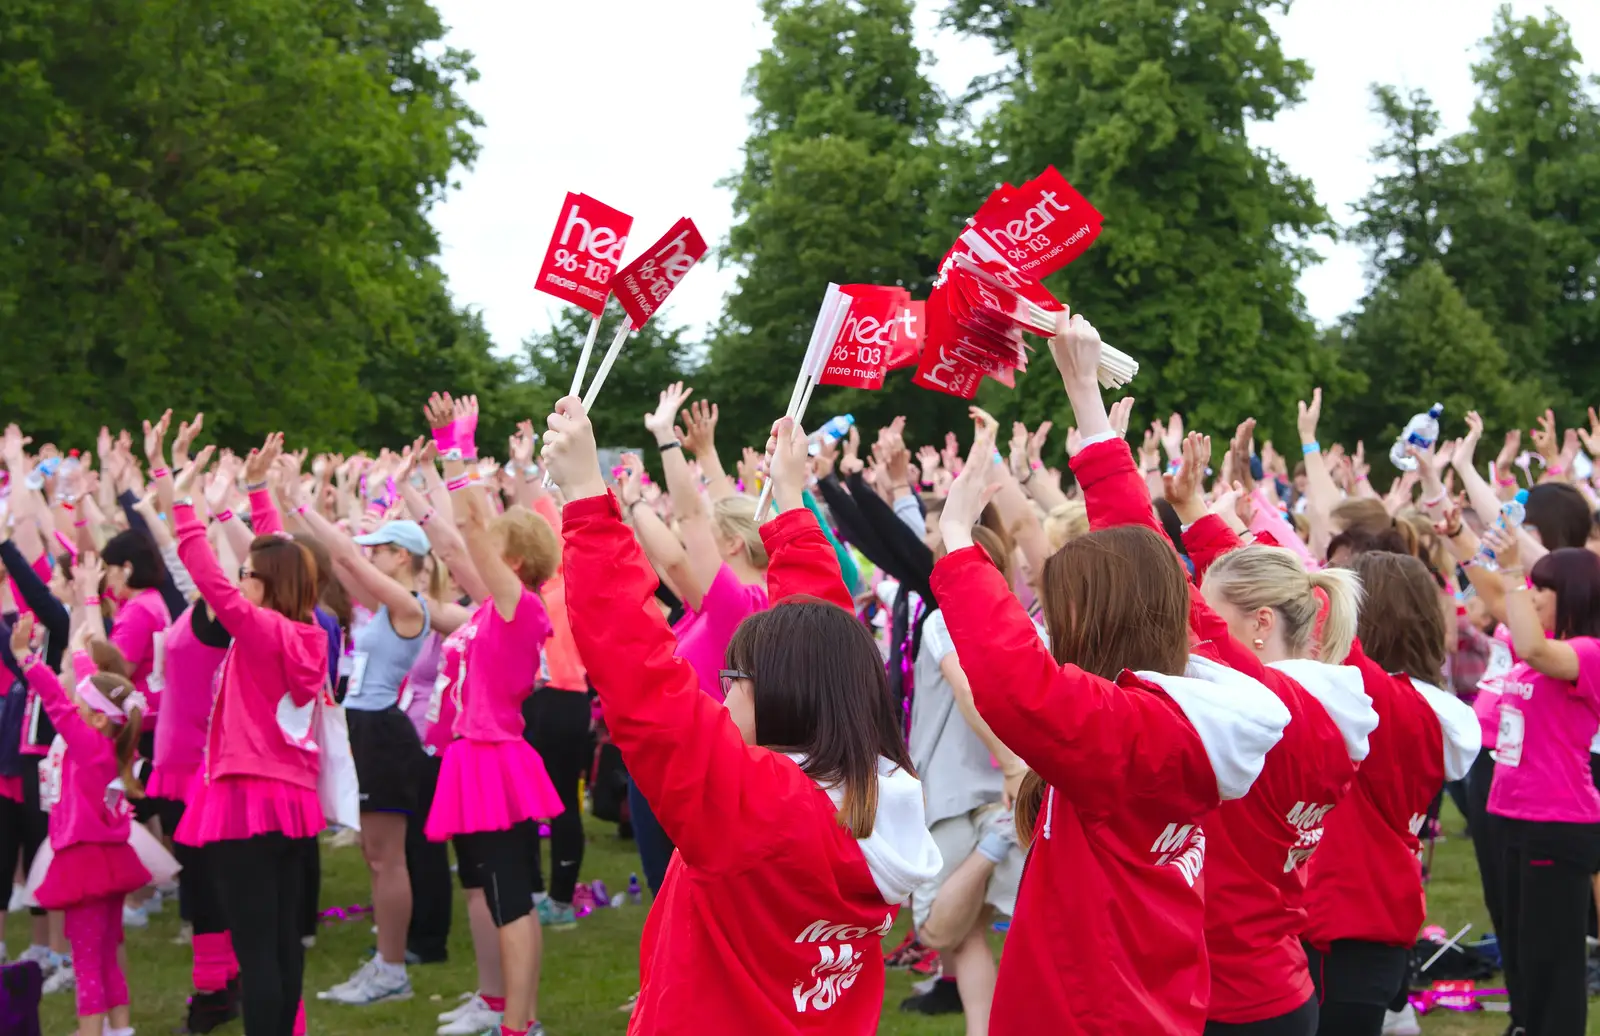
{"points": [[590, 971]]}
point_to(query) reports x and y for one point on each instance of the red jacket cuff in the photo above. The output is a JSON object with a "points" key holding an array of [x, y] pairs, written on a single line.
{"points": [[787, 526], [591, 507], [1102, 460]]}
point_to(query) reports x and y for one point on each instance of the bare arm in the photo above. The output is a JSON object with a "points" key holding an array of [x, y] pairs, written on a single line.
{"points": [[661, 548], [694, 520], [1010, 765], [1321, 494], [699, 435]]}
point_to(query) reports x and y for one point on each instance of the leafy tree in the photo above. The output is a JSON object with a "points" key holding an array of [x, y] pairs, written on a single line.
{"points": [[847, 178], [652, 358], [1143, 106], [1420, 342], [223, 206]]}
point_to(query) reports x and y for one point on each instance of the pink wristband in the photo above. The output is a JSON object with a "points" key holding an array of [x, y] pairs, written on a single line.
{"points": [[459, 482], [80, 523], [300, 510], [1505, 481], [156, 473], [91, 602], [225, 515]]}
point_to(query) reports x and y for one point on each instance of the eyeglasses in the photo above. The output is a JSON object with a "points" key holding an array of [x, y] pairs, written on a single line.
{"points": [[730, 675], [245, 572]]}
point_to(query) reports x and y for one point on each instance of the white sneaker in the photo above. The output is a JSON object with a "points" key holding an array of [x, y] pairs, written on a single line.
{"points": [[370, 985], [134, 917], [468, 1002], [480, 1019], [63, 979], [1401, 1023]]}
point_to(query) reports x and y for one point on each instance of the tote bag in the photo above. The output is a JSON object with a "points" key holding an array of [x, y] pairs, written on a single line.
{"points": [[319, 727]]}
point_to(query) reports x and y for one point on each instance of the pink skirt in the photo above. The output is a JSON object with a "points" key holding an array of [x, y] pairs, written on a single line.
{"points": [[228, 808], [490, 786], [11, 788], [96, 870], [168, 782]]}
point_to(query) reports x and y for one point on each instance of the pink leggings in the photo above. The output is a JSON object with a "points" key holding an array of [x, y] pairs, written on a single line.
{"points": [[94, 930]]}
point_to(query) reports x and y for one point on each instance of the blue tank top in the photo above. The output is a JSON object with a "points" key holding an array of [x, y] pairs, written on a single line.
{"points": [[380, 660]]}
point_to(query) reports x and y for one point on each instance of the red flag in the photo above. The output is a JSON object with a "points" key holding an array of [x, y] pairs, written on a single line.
{"points": [[647, 281], [860, 354], [1041, 226], [584, 252], [909, 330]]}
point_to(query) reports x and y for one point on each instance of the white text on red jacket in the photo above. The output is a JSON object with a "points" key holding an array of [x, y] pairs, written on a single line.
{"points": [[838, 967], [1306, 818], [1184, 847]]}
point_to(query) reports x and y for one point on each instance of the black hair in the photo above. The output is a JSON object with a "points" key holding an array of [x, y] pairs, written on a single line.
{"points": [[136, 548], [1573, 574]]}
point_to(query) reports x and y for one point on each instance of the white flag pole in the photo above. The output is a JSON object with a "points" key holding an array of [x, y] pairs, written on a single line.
{"points": [[583, 357], [605, 365], [830, 318]]}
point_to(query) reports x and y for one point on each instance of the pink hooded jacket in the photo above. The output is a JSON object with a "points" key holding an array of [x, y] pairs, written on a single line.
{"points": [[273, 658]]}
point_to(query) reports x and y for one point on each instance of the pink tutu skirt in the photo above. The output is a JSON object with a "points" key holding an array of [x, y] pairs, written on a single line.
{"points": [[490, 786], [95, 870], [170, 783], [228, 808]]}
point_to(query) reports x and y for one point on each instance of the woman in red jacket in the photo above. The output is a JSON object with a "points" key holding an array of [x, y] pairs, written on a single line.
{"points": [[1364, 895], [797, 818], [1258, 612], [1127, 755]]}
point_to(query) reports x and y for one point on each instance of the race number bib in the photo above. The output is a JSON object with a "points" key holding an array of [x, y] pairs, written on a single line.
{"points": [[1508, 744], [353, 667], [157, 681]]}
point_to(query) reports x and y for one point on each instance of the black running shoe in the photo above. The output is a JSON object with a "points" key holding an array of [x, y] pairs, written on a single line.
{"points": [[943, 998]]}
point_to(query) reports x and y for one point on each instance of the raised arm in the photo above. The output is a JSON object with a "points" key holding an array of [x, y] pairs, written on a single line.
{"points": [[800, 558], [661, 545], [226, 602], [1011, 764], [35, 593], [79, 736], [694, 520], [698, 432], [1554, 658], [681, 747], [502, 584], [1321, 494]]}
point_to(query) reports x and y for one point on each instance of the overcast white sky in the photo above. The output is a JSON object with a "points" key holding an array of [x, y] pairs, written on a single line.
{"points": [[640, 103]]}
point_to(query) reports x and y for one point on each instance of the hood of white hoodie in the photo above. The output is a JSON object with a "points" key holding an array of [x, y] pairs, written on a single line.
{"points": [[900, 852], [1459, 727], [1340, 691], [1237, 717]]}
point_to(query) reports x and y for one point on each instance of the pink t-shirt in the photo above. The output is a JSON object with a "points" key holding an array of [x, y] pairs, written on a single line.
{"points": [[1542, 748], [135, 632], [703, 635], [499, 665]]}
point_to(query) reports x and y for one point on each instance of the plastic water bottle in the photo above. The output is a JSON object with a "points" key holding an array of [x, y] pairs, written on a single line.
{"points": [[1512, 514], [1422, 431], [837, 427], [634, 894]]}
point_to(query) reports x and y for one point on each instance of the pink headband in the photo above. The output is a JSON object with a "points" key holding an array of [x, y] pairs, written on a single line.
{"points": [[91, 696]]}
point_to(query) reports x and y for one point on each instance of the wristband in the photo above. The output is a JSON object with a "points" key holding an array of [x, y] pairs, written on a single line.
{"points": [[254, 487], [92, 601], [30, 660], [1428, 501], [1504, 481], [156, 473], [1308, 448], [1555, 469], [80, 523], [225, 515], [1361, 477], [66, 503], [459, 482], [673, 445], [301, 509]]}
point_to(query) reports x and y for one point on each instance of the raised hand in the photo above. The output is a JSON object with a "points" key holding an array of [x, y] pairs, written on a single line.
{"points": [[1074, 442], [850, 463], [520, 446], [1569, 452], [259, 462], [1244, 447], [789, 463], [22, 636], [1507, 460], [1018, 455], [1309, 416], [1119, 414], [699, 428], [181, 444], [1467, 445], [659, 422], [1036, 443], [979, 480], [827, 456], [1544, 438], [183, 482], [440, 410], [88, 575], [950, 456], [630, 486], [569, 451], [1076, 347], [1183, 489], [14, 446], [155, 438], [1591, 437], [1172, 436], [928, 461]]}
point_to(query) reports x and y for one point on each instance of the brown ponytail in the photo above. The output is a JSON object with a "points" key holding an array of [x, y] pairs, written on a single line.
{"points": [[1030, 800]]}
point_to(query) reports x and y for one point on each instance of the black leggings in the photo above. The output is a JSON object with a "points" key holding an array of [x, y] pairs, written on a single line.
{"points": [[20, 836], [34, 821], [557, 726], [1547, 871], [1302, 1021], [261, 884], [197, 882], [428, 863], [1357, 982]]}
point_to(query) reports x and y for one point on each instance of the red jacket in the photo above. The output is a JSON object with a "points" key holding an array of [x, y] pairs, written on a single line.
{"points": [[1255, 886], [771, 915], [1365, 882], [1108, 935]]}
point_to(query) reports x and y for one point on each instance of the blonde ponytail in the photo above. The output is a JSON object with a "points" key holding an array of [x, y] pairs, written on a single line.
{"points": [[1252, 578], [1343, 589]]}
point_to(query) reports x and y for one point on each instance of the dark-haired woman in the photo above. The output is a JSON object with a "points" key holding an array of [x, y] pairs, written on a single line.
{"points": [[1543, 790], [1127, 755], [1364, 885], [254, 802], [797, 819]]}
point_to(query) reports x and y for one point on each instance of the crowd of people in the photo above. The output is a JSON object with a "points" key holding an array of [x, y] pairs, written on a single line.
{"points": [[1182, 715]]}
